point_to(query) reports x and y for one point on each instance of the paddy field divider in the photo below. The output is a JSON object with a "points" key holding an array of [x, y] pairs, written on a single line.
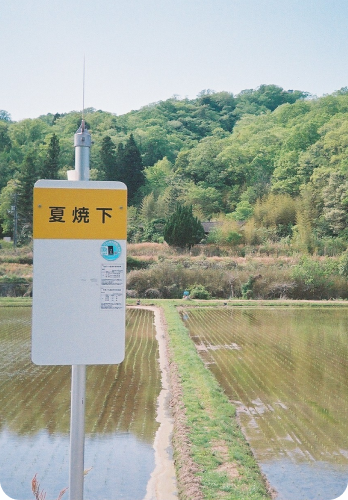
{"points": [[212, 457]]}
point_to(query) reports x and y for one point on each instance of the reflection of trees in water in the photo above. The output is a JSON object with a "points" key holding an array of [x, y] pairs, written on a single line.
{"points": [[118, 397], [289, 379]]}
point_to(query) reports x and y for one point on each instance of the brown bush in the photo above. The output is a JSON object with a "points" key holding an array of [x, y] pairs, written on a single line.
{"points": [[224, 276], [152, 293]]}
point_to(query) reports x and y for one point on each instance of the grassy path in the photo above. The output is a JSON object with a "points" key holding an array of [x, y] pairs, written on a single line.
{"points": [[213, 459]]}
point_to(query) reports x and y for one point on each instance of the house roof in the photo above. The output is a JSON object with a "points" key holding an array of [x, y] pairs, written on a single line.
{"points": [[209, 226]]}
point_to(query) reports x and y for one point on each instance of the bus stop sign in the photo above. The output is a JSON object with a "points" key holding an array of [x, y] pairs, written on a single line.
{"points": [[79, 278]]}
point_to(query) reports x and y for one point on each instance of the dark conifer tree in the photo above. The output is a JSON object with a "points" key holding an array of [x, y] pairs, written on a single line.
{"points": [[120, 165], [108, 159], [51, 163], [183, 229], [27, 178], [130, 166]]}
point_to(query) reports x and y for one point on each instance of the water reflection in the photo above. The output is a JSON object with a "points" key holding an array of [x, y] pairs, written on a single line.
{"points": [[35, 414], [121, 465], [288, 380], [324, 480]]}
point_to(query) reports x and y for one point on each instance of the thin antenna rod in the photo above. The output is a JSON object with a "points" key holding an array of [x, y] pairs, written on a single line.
{"points": [[83, 91]]}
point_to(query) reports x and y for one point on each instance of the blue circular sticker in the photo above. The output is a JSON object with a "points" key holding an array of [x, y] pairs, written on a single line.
{"points": [[110, 250]]}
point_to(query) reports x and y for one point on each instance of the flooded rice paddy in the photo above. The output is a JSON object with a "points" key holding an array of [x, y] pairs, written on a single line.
{"points": [[35, 415], [286, 372]]}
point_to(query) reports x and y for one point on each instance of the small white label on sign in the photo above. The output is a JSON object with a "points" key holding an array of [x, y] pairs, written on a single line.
{"points": [[112, 274], [112, 285], [111, 298]]}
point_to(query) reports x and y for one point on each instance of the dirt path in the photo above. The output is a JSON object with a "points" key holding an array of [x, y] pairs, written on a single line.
{"points": [[162, 483]]}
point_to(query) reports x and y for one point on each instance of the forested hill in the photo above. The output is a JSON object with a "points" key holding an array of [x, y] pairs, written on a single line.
{"points": [[262, 151]]}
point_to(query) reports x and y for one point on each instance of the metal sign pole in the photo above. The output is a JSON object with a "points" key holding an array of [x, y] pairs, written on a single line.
{"points": [[77, 431], [82, 143]]}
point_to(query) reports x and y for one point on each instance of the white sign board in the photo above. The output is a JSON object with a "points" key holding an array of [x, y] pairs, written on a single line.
{"points": [[79, 284]]}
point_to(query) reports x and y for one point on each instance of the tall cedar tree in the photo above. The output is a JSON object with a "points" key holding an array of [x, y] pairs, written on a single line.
{"points": [[27, 179], [130, 167], [51, 163], [108, 159], [183, 229], [120, 166]]}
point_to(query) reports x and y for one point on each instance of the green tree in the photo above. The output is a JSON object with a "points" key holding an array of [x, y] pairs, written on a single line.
{"points": [[131, 169], [203, 165], [158, 177], [183, 229], [276, 212], [5, 141], [243, 211], [7, 201], [51, 162], [343, 264], [5, 115], [27, 179], [303, 237], [28, 131], [205, 200], [108, 159], [148, 208], [120, 163], [335, 207]]}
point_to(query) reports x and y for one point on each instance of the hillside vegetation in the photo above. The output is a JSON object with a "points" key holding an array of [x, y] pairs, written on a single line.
{"points": [[270, 166]]}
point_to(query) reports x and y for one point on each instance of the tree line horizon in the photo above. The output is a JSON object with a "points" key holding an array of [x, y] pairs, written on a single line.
{"points": [[267, 164]]}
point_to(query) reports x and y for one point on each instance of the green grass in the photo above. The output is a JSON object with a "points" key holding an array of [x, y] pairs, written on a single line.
{"points": [[15, 301], [211, 420], [241, 303]]}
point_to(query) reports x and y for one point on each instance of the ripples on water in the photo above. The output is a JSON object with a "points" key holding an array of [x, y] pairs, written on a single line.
{"points": [[286, 372], [35, 415]]}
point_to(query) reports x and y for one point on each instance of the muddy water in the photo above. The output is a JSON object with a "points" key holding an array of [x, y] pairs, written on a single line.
{"points": [[120, 415], [286, 372]]}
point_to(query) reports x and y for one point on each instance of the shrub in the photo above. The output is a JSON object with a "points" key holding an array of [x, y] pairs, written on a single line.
{"points": [[199, 292], [331, 246], [171, 292], [234, 238], [227, 232], [133, 263], [172, 279], [254, 277], [212, 251], [13, 286], [275, 283], [247, 288], [152, 293], [182, 229], [343, 264], [276, 211], [315, 279]]}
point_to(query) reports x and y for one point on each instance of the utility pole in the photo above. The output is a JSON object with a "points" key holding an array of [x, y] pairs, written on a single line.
{"points": [[15, 219]]}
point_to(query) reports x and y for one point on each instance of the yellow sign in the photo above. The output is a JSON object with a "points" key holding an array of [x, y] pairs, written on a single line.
{"points": [[68, 213]]}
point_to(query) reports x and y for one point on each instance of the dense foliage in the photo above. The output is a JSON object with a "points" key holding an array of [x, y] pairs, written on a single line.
{"points": [[183, 229], [267, 164]]}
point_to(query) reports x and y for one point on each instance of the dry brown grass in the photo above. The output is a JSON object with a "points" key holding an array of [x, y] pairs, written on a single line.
{"points": [[41, 494], [20, 270], [149, 249]]}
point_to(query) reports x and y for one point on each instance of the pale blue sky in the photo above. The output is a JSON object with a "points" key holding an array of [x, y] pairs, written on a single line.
{"points": [[141, 51]]}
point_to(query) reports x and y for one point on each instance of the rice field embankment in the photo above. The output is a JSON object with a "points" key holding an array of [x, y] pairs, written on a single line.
{"points": [[212, 458]]}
